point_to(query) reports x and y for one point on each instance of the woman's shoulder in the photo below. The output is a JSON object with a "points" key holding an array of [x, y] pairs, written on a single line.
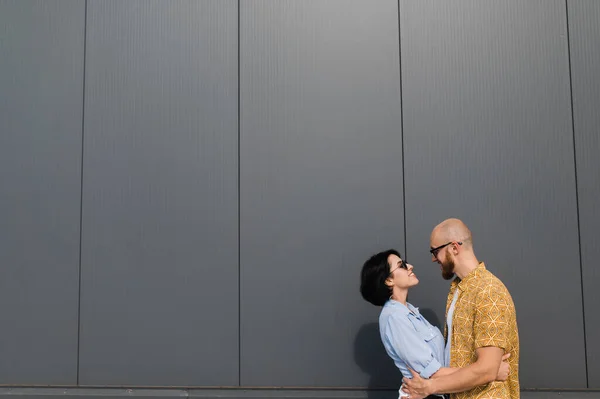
{"points": [[393, 313]]}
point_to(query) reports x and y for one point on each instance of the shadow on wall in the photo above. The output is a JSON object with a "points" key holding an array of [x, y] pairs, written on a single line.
{"points": [[370, 356]]}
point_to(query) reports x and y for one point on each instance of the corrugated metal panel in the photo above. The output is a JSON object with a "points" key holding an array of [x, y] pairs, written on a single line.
{"points": [[488, 139], [321, 187], [159, 301], [41, 95], [584, 34]]}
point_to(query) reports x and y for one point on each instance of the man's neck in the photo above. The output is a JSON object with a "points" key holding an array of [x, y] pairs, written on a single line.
{"points": [[466, 266]]}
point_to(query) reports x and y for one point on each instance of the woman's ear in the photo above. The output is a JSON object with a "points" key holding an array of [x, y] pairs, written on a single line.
{"points": [[389, 282]]}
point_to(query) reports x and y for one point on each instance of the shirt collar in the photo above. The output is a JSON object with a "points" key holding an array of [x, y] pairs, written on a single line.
{"points": [[464, 283], [405, 309]]}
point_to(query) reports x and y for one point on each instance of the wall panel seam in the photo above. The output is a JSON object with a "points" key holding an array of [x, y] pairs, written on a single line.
{"points": [[587, 380], [81, 189]]}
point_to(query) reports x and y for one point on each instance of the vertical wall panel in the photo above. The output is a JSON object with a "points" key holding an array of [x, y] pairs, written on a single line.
{"points": [[321, 187], [41, 80], [584, 33], [160, 227], [488, 138]]}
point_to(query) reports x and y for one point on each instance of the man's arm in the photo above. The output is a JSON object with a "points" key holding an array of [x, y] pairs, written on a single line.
{"points": [[501, 375], [483, 371], [444, 371]]}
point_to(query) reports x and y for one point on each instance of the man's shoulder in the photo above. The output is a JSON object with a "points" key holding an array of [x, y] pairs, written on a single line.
{"points": [[488, 281], [487, 286], [491, 289]]}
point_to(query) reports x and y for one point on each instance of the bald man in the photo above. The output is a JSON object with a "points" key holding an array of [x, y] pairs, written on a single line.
{"points": [[481, 323]]}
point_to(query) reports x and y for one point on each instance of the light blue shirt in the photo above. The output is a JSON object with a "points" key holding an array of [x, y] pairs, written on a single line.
{"points": [[449, 329], [410, 340]]}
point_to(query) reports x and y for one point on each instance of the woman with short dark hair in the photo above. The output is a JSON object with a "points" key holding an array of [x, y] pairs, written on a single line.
{"points": [[409, 339]]}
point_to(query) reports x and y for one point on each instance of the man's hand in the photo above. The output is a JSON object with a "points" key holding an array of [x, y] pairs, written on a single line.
{"points": [[504, 369], [417, 387]]}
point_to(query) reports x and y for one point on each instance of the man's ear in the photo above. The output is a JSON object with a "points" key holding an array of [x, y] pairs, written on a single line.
{"points": [[455, 248]]}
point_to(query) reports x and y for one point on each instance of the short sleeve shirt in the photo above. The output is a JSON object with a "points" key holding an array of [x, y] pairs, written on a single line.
{"points": [[484, 315]]}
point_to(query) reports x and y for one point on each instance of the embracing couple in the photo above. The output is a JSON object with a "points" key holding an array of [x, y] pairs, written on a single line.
{"points": [[478, 355]]}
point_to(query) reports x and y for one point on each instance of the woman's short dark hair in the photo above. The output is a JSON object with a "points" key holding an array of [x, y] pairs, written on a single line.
{"points": [[373, 275]]}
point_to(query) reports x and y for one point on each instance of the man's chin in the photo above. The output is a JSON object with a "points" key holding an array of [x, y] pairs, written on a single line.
{"points": [[447, 276]]}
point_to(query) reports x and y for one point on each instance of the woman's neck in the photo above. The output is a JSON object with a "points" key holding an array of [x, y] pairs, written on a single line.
{"points": [[399, 295]]}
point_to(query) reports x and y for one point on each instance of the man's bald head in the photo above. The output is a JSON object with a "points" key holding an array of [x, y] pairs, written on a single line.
{"points": [[452, 230]]}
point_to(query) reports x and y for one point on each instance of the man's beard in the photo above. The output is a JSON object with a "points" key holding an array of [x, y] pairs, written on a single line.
{"points": [[448, 267]]}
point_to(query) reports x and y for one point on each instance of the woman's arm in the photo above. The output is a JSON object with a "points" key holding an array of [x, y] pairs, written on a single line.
{"points": [[400, 335]]}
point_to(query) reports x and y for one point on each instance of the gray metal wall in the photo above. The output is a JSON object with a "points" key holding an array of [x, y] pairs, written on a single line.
{"points": [[159, 256], [41, 88], [488, 138], [189, 188], [321, 183], [584, 30]]}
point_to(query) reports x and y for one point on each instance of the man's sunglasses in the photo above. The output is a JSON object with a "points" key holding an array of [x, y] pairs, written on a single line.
{"points": [[434, 251]]}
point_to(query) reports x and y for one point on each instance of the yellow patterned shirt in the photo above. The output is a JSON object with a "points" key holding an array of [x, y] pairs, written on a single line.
{"points": [[484, 315]]}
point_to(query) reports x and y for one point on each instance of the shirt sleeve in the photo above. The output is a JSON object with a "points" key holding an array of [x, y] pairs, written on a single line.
{"points": [[410, 347], [494, 310]]}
